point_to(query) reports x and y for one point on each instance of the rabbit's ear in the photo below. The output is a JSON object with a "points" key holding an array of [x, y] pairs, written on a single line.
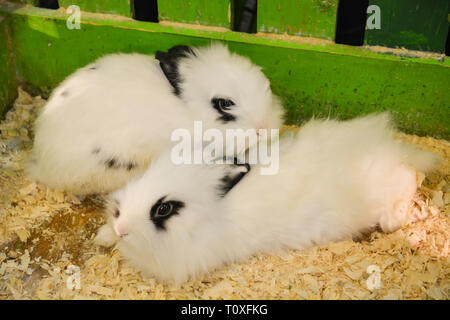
{"points": [[233, 174], [169, 61]]}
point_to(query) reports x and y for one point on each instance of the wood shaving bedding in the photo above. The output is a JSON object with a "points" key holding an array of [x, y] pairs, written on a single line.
{"points": [[46, 245]]}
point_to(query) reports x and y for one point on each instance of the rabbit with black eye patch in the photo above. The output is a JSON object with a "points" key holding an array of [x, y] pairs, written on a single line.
{"points": [[104, 124], [335, 180]]}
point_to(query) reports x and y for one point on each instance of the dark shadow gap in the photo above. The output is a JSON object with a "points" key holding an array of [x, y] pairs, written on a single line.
{"points": [[351, 22], [447, 43], [47, 4], [244, 14], [145, 10]]}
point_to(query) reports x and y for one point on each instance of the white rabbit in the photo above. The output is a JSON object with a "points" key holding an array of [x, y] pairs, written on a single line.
{"points": [[335, 180], [104, 123]]}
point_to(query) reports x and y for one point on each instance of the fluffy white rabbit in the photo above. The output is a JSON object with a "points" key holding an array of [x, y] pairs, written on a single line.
{"points": [[104, 123], [335, 180]]}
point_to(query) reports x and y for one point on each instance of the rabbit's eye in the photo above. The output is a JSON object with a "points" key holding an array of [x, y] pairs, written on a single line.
{"points": [[223, 105], [164, 209]]}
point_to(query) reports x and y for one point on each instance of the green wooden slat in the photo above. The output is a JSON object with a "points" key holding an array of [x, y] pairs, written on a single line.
{"points": [[32, 2], [8, 86], [309, 18], [121, 7], [203, 12], [413, 24], [312, 79]]}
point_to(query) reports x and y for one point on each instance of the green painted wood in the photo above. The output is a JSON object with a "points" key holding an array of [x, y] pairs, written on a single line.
{"points": [[121, 7], [32, 2], [204, 12], [413, 24], [213, 34], [308, 18], [8, 85], [312, 79]]}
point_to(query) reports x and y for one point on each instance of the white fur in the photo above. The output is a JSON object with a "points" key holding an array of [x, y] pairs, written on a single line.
{"points": [[336, 179], [127, 109]]}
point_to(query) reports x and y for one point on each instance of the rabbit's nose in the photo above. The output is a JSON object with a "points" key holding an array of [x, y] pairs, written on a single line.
{"points": [[121, 229]]}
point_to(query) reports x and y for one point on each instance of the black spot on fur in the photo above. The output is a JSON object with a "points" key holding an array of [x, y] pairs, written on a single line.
{"points": [[112, 163], [116, 163], [226, 118], [230, 180], [93, 68], [96, 150], [131, 165], [160, 221], [169, 61]]}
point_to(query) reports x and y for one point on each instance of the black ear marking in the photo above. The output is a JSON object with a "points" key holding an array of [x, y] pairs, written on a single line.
{"points": [[181, 50], [236, 173], [169, 61]]}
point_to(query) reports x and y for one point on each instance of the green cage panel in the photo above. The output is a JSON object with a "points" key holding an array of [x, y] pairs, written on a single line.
{"points": [[313, 77], [204, 12], [8, 85], [120, 7], [308, 18], [412, 24]]}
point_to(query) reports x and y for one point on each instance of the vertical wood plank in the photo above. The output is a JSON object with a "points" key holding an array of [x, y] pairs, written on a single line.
{"points": [[8, 84], [32, 2], [413, 24], [309, 18], [120, 7], [203, 12]]}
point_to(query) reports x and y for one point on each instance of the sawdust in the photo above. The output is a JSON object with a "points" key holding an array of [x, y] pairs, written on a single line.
{"points": [[295, 39], [403, 52], [46, 245]]}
